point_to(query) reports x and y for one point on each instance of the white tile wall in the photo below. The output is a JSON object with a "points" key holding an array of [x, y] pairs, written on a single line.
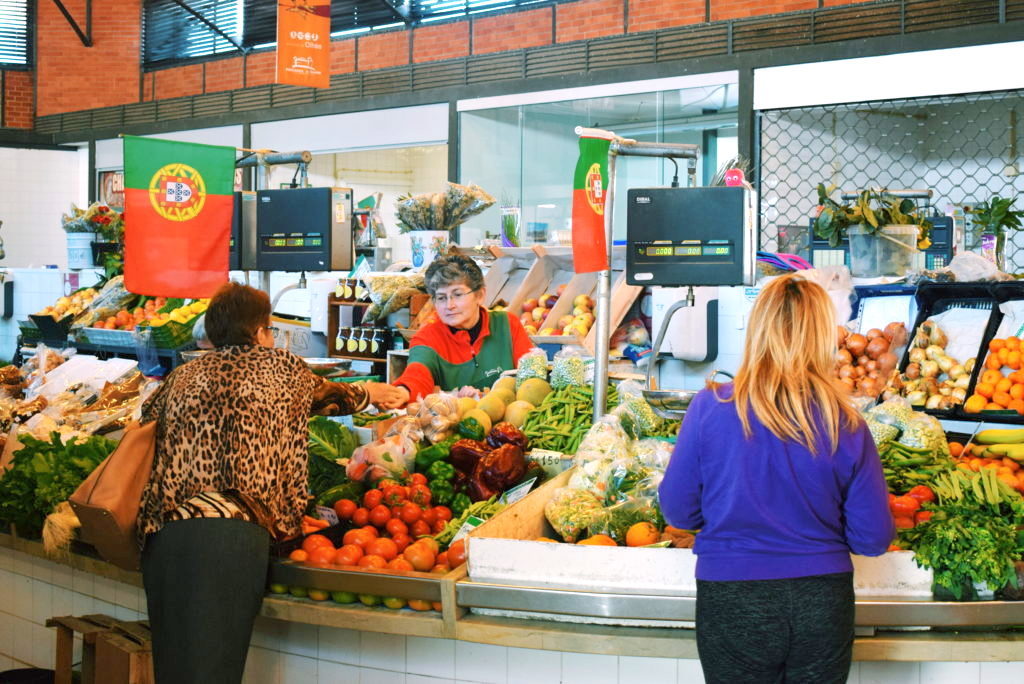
{"points": [[287, 653]]}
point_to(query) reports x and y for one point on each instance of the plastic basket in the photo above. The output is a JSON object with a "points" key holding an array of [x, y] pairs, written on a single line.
{"points": [[108, 338], [29, 331], [172, 335]]}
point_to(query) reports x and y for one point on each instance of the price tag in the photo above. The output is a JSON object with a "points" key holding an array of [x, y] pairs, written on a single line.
{"points": [[550, 461], [517, 492], [328, 514], [472, 522]]}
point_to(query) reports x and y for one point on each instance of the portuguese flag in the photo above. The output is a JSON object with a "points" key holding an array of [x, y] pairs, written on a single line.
{"points": [[589, 249], [178, 204]]}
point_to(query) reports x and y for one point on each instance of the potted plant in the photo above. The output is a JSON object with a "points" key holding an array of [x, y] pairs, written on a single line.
{"points": [[876, 224], [81, 232], [426, 221], [994, 217]]}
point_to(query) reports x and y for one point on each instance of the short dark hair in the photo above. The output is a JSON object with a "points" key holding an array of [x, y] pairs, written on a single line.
{"points": [[448, 269], [236, 314]]}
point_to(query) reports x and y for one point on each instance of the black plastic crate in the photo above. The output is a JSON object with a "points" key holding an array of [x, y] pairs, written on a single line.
{"points": [[1001, 292]]}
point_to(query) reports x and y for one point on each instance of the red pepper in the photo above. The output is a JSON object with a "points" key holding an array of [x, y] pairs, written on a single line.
{"points": [[922, 493], [904, 506]]}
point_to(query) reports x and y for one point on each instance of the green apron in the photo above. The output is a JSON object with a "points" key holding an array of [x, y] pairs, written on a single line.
{"points": [[495, 357]]}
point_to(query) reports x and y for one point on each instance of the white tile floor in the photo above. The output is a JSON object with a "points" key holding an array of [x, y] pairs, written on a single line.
{"points": [[287, 653]]}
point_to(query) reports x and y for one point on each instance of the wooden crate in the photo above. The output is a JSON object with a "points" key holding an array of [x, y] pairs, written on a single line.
{"points": [[113, 651], [506, 275], [552, 268]]}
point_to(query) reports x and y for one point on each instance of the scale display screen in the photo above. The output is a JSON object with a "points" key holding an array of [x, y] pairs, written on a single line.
{"points": [[688, 250], [293, 242], [659, 251], [691, 249], [717, 250]]}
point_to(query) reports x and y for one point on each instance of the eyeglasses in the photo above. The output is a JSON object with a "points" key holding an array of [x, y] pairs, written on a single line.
{"points": [[455, 298], [270, 328]]}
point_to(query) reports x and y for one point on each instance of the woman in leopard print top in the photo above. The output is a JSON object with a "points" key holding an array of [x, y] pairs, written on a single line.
{"points": [[230, 474]]}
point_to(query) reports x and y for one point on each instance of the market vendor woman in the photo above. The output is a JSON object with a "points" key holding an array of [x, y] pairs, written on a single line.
{"points": [[467, 345]]}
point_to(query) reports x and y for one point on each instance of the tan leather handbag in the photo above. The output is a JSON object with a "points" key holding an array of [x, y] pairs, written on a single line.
{"points": [[107, 502]]}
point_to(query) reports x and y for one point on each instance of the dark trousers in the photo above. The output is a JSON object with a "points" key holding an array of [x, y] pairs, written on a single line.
{"points": [[205, 579], [788, 630]]}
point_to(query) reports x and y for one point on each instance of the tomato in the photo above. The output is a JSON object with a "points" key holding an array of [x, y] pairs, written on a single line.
{"points": [[904, 523], [420, 529], [431, 544], [380, 515], [394, 495], [401, 541], [387, 482], [399, 563], [419, 479], [894, 547], [298, 555], [457, 553], [371, 561], [420, 556], [420, 494], [372, 498], [360, 538], [345, 508], [429, 516], [443, 513], [361, 517], [440, 569], [349, 536], [396, 526], [315, 541], [905, 506], [348, 555], [922, 516], [439, 526], [411, 513], [922, 493], [383, 547], [323, 555], [442, 559]]}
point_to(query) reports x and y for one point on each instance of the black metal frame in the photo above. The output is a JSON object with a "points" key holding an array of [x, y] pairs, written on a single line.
{"points": [[84, 36]]}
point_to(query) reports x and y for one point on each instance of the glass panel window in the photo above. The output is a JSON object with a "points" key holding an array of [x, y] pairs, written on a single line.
{"points": [[15, 33]]}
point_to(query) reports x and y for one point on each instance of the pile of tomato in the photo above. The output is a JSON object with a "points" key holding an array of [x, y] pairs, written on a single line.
{"points": [[906, 509]]}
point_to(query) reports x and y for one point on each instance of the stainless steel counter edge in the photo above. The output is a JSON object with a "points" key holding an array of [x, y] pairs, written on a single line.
{"points": [[970, 646]]}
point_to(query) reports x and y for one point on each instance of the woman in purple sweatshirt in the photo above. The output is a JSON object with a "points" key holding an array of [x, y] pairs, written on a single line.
{"points": [[780, 475]]}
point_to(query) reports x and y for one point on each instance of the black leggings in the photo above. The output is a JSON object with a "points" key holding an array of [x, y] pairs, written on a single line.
{"points": [[205, 579], [787, 630]]}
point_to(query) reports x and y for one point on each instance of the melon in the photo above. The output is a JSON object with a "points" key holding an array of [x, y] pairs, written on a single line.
{"points": [[493, 405], [505, 382], [466, 404], [515, 412], [482, 418], [507, 395], [533, 391]]}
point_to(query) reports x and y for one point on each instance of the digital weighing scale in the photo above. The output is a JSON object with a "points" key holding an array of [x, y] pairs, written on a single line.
{"points": [[304, 229]]}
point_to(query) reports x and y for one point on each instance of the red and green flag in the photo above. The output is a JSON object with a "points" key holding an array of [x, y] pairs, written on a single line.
{"points": [[178, 206], [589, 189]]}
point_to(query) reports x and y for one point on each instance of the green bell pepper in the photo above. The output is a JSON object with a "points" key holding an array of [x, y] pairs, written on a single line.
{"points": [[436, 452], [441, 492], [471, 429], [460, 502], [441, 470]]}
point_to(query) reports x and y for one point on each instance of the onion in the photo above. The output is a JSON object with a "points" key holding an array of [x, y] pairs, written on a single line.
{"points": [[873, 374], [845, 371], [847, 383], [877, 346], [930, 369], [917, 355], [913, 371], [860, 371], [844, 358], [887, 361], [873, 333], [896, 333], [856, 344], [841, 333], [862, 360], [872, 366], [867, 386]]}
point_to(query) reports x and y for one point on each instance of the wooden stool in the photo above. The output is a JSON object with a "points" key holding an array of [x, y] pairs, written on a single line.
{"points": [[119, 652]]}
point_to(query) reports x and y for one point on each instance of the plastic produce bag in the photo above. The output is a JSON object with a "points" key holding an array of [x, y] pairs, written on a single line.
{"points": [[652, 453], [601, 477], [571, 511], [570, 368], [438, 414], [391, 456], [407, 427], [616, 520], [605, 439], [532, 364], [638, 418], [925, 432]]}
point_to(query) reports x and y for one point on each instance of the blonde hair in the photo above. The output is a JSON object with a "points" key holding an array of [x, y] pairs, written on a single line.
{"points": [[787, 377]]}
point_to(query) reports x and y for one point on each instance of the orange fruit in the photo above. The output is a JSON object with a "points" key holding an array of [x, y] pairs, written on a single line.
{"points": [[1017, 391], [955, 449], [1016, 405], [992, 406], [975, 404], [1011, 464], [990, 377], [642, 534], [996, 345], [984, 389], [298, 555], [1013, 359], [546, 539], [1003, 354], [598, 540], [1004, 385], [993, 362], [1013, 343], [1002, 398]]}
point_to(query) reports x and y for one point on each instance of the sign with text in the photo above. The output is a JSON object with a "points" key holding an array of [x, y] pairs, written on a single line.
{"points": [[304, 43]]}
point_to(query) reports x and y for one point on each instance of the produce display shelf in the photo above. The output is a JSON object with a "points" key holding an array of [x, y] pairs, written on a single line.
{"points": [[408, 585], [870, 612], [369, 359]]}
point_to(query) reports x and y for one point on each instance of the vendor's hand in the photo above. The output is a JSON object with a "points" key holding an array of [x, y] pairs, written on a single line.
{"points": [[386, 396]]}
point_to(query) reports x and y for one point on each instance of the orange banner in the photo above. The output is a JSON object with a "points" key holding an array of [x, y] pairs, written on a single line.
{"points": [[304, 42]]}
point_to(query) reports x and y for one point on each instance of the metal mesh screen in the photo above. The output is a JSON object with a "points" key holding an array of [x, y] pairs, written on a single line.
{"points": [[965, 148]]}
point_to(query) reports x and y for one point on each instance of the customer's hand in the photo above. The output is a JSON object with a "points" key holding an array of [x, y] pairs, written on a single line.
{"points": [[386, 396]]}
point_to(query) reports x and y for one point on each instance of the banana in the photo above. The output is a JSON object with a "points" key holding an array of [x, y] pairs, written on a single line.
{"points": [[1000, 437], [1014, 451]]}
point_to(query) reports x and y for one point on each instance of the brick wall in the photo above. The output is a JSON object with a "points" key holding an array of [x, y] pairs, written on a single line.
{"points": [[441, 41], [589, 19], [70, 76], [17, 99]]}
